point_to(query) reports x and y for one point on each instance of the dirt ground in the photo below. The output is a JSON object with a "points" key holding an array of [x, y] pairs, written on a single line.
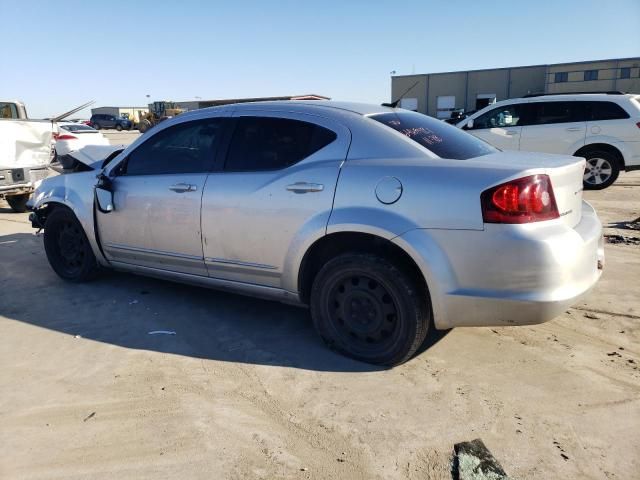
{"points": [[245, 389]]}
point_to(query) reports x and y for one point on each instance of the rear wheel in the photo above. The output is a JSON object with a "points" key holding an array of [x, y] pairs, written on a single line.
{"points": [[119, 127], [96, 126], [18, 203], [67, 247], [601, 171], [366, 308]]}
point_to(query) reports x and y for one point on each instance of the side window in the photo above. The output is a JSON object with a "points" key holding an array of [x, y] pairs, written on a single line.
{"points": [[605, 111], [8, 110], [501, 117], [267, 143], [545, 113], [184, 148]]}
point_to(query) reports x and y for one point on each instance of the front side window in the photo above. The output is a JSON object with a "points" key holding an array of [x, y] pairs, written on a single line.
{"points": [[268, 143], [545, 113], [439, 137], [501, 117], [184, 148], [605, 111], [590, 75], [561, 77]]}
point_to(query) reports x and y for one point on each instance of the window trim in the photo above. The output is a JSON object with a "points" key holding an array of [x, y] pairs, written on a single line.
{"points": [[119, 170], [272, 115]]}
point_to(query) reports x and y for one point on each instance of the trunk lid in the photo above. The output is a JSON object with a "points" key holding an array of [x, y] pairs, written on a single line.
{"points": [[565, 172]]}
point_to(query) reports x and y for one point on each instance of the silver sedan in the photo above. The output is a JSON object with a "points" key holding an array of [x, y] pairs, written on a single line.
{"points": [[384, 222]]}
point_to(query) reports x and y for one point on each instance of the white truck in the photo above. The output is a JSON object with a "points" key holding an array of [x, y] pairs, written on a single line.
{"points": [[26, 149]]}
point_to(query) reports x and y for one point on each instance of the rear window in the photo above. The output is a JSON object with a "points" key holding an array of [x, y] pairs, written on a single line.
{"points": [[79, 128], [439, 137], [605, 111]]}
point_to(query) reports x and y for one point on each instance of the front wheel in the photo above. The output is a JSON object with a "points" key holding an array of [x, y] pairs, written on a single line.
{"points": [[368, 309], [18, 203], [601, 171], [119, 127], [67, 247]]}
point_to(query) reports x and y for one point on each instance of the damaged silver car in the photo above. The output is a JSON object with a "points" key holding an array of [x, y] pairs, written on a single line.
{"points": [[385, 222]]}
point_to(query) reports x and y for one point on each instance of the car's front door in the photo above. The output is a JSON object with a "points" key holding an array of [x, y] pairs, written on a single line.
{"points": [[501, 126], [275, 192], [554, 127], [157, 199]]}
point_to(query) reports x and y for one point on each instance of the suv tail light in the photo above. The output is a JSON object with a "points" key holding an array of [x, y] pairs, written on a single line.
{"points": [[525, 200]]}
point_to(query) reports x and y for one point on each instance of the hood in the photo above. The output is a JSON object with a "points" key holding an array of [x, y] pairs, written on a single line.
{"points": [[92, 156]]}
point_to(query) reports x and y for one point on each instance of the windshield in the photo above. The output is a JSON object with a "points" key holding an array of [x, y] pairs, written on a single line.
{"points": [[439, 137]]}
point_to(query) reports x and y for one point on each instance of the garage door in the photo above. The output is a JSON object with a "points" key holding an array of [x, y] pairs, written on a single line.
{"points": [[445, 105]]}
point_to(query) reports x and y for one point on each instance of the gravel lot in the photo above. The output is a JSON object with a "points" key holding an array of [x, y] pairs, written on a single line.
{"points": [[245, 389]]}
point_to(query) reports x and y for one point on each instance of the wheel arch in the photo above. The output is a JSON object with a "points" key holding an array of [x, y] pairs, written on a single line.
{"points": [[606, 147], [334, 244]]}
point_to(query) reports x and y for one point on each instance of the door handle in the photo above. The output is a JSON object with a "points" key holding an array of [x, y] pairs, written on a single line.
{"points": [[183, 187], [305, 187], [511, 132], [574, 129]]}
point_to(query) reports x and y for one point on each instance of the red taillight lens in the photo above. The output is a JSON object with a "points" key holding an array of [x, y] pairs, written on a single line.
{"points": [[525, 200], [638, 124], [58, 136]]}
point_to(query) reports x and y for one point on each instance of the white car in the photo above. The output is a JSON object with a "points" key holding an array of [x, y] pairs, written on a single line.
{"points": [[603, 128], [74, 136]]}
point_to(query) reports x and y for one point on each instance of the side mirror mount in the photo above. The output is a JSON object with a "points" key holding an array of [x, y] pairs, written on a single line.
{"points": [[104, 194], [469, 124]]}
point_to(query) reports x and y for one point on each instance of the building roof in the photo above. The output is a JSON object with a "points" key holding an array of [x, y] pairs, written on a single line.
{"points": [[520, 66]]}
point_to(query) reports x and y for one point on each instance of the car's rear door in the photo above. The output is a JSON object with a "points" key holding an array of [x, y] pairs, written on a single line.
{"points": [[275, 191], [157, 199], [554, 127]]}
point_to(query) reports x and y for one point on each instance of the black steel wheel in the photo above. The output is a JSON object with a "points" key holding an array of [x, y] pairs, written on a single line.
{"points": [[67, 247], [366, 308], [118, 127]]}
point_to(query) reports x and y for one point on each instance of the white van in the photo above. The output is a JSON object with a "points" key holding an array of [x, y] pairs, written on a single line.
{"points": [[604, 128]]}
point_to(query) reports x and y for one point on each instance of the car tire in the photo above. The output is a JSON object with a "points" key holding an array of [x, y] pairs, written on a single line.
{"points": [[96, 126], [18, 203], [119, 127], [601, 171], [368, 309], [67, 247]]}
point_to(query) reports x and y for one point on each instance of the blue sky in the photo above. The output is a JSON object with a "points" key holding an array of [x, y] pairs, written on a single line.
{"points": [[57, 55]]}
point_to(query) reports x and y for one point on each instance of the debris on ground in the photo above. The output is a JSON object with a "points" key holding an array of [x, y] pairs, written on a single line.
{"points": [[592, 316], [473, 461], [622, 240], [91, 415]]}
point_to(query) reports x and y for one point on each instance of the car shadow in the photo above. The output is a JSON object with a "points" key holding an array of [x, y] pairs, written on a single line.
{"points": [[121, 309]]}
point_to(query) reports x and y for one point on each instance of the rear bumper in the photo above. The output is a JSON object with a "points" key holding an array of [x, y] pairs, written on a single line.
{"points": [[16, 181], [508, 274]]}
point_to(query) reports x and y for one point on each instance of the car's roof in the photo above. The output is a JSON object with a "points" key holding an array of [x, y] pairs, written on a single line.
{"points": [[303, 106]]}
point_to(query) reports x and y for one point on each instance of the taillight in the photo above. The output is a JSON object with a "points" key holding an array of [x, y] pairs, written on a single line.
{"points": [[638, 124], [525, 200], [64, 136]]}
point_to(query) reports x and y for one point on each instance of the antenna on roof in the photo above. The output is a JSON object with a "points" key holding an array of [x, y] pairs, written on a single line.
{"points": [[395, 103]]}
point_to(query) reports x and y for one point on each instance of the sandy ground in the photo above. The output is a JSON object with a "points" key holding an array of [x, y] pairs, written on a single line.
{"points": [[245, 389]]}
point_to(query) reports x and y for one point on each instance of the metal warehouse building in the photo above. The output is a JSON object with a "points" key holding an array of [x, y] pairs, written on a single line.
{"points": [[439, 94]]}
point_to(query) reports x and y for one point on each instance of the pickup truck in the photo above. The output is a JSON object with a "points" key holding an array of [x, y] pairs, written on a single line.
{"points": [[25, 153]]}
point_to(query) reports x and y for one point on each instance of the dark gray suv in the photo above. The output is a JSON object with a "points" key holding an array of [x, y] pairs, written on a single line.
{"points": [[101, 120]]}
